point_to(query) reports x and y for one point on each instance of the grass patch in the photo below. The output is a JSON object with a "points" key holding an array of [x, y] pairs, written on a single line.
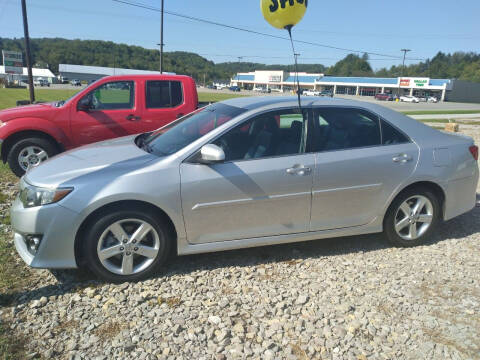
{"points": [[214, 97], [440, 112], [13, 279], [11, 347], [9, 97], [445, 121]]}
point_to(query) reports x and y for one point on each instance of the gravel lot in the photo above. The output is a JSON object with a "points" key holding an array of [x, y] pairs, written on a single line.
{"points": [[346, 298]]}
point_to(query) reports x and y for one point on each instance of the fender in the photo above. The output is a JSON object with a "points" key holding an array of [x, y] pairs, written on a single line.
{"points": [[48, 127]]}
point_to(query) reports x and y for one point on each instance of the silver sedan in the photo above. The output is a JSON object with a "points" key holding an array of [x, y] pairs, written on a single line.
{"points": [[241, 173]]}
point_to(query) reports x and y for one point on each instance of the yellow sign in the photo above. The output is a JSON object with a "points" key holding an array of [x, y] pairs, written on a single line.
{"points": [[283, 13]]}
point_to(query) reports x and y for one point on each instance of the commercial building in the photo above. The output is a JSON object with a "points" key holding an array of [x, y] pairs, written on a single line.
{"points": [[281, 81], [88, 73], [45, 74]]}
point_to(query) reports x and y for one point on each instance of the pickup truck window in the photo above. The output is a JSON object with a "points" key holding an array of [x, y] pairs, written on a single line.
{"points": [[163, 94], [116, 95]]}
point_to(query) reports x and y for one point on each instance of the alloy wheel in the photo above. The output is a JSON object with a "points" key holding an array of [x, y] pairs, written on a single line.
{"points": [[414, 217], [31, 156], [128, 246]]}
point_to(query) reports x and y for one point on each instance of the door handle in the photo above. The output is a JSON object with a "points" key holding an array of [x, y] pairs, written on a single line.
{"points": [[402, 158], [299, 170], [132, 117]]}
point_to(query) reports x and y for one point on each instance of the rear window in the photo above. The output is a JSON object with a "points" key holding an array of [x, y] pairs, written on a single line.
{"points": [[163, 94], [392, 136]]}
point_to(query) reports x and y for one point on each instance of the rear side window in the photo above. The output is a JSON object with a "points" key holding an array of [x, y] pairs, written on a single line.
{"points": [[345, 128], [392, 136], [163, 94]]}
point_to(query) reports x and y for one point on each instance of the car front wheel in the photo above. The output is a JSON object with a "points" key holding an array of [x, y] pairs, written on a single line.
{"points": [[127, 245], [28, 153], [412, 218]]}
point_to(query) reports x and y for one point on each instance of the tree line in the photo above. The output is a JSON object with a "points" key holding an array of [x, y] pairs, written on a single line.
{"points": [[49, 52]]}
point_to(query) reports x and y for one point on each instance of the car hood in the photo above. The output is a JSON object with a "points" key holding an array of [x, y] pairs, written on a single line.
{"points": [[36, 110], [106, 158]]}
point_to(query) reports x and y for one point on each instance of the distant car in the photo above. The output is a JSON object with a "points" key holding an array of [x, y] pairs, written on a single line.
{"points": [[432, 99], [41, 82], [75, 82], [91, 82], [311, 93], [328, 93], [408, 98], [234, 88], [265, 91], [384, 97], [213, 87]]}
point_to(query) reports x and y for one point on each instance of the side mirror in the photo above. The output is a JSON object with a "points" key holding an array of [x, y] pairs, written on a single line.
{"points": [[211, 154], [84, 104]]}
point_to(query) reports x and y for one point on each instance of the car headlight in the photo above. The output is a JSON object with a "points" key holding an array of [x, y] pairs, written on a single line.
{"points": [[32, 196]]}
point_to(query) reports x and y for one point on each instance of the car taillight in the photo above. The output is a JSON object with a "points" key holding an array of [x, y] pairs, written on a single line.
{"points": [[474, 150]]}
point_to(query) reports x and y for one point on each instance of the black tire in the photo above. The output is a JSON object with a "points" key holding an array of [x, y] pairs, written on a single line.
{"points": [[389, 221], [97, 228], [12, 158]]}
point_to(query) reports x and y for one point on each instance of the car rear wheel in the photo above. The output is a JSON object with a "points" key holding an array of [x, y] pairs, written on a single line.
{"points": [[126, 245], [412, 218], [29, 152]]}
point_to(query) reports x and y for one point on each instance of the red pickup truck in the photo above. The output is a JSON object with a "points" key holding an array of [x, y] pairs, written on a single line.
{"points": [[111, 107]]}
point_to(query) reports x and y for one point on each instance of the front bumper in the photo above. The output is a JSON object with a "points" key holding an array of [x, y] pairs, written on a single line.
{"points": [[56, 224]]}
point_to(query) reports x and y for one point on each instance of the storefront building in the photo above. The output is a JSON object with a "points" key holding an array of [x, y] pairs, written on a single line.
{"points": [[442, 89]]}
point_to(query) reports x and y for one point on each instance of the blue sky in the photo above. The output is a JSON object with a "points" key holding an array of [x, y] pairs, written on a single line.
{"points": [[385, 27]]}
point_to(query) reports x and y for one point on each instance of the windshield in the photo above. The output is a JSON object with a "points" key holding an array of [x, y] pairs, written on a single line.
{"points": [[177, 135], [63, 102]]}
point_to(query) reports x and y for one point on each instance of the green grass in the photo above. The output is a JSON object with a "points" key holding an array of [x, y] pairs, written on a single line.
{"points": [[13, 279], [441, 112], [214, 97], [445, 121], [9, 97]]}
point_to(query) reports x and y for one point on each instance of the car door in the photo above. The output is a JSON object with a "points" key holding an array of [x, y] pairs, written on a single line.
{"points": [[164, 103], [358, 166], [114, 112], [263, 188]]}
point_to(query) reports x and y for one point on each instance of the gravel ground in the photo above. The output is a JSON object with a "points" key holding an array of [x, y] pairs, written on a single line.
{"points": [[346, 298]]}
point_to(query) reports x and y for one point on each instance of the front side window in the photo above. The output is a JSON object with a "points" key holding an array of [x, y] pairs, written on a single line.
{"points": [[177, 135], [344, 128], [116, 95], [277, 133], [163, 94]]}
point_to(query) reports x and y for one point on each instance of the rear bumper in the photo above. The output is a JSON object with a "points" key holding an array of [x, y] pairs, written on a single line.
{"points": [[460, 195]]}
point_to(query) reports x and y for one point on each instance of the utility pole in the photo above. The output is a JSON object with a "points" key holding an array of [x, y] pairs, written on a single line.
{"points": [[27, 52], [161, 39], [403, 67]]}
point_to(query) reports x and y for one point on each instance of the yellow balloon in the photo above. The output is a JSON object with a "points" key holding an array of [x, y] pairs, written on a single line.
{"points": [[283, 13]]}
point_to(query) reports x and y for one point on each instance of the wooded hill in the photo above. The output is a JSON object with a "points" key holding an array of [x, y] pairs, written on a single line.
{"points": [[49, 52]]}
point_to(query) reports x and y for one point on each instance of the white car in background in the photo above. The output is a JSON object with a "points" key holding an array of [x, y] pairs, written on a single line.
{"points": [[432, 99], [408, 98], [311, 93]]}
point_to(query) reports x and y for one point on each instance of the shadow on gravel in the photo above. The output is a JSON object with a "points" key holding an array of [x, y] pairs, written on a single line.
{"points": [[70, 281]]}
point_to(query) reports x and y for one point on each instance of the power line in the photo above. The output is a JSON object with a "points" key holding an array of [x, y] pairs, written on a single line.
{"points": [[147, 7]]}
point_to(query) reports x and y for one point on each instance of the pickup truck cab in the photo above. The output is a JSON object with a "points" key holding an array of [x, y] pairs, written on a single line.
{"points": [[111, 107]]}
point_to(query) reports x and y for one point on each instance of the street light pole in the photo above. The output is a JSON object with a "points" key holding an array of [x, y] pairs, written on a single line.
{"points": [[161, 40], [27, 52], [403, 68]]}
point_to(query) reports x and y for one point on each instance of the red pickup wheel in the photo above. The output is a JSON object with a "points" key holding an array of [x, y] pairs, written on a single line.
{"points": [[29, 152]]}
